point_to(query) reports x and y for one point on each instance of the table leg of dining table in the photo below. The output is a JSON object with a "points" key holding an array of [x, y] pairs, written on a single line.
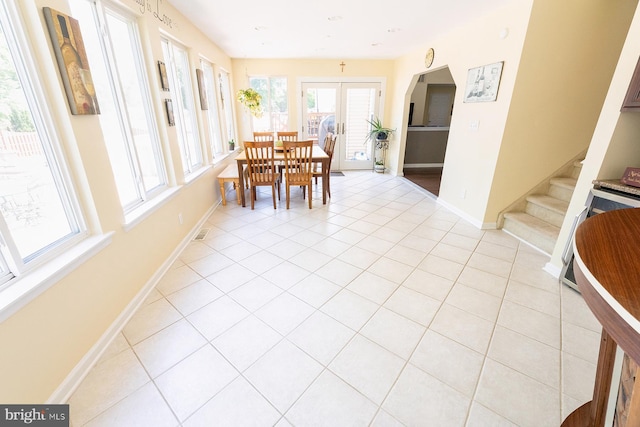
{"points": [[241, 183], [325, 177]]}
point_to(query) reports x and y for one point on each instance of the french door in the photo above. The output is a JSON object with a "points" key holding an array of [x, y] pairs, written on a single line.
{"points": [[342, 108]]}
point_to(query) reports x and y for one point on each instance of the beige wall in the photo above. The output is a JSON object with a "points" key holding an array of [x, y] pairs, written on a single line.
{"points": [[615, 144], [568, 58], [48, 338], [295, 70], [471, 155]]}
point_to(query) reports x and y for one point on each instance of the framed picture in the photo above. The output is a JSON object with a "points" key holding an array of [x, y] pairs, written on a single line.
{"points": [[483, 83], [71, 57], [202, 90], [169, 107], [164, 80]]}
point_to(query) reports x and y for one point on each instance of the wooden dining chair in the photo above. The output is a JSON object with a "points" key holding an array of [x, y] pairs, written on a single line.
{"points": [[263, 136], [298, 167], [280, 138], [329, 146], [287, 136], [262, 168]]}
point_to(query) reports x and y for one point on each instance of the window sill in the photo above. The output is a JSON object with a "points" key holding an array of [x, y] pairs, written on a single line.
{"points": [[195, 175], [136, 216], [22, 290]]}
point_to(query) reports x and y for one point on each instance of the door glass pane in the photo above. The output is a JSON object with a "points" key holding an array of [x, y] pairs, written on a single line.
{"points": [[321, 113], [359, 107]]}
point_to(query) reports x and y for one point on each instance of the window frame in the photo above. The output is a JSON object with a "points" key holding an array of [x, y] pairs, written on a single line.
{"points": [[191, 168], [267, 103], [214, 126], [226, 101], [21, 51], [101, 11]]}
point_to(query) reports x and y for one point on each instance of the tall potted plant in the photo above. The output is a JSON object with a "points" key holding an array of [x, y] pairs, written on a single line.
{"points": [[378, 132], [379, 135]]}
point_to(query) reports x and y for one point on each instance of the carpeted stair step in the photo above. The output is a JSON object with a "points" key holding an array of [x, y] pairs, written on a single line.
{"points": [[562, 188], [577, 168], [532, 230], [547, 208]]}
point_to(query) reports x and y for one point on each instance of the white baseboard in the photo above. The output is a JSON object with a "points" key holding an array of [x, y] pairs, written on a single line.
{"points": [[465, 216], [552, 269], [422, 165], [81, 370]]}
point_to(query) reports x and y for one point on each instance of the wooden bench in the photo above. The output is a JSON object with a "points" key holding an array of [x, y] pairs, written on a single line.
{"points": [[229, 174]]}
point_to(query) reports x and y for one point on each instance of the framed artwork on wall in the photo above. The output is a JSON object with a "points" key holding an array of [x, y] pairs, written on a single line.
{"points": [[483, 82], [170, 117], [164, 80], [202, 90], [71, 57]]}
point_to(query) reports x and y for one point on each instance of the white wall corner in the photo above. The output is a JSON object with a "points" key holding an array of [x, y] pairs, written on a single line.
{"points": [[552, 269], [478, 224]]}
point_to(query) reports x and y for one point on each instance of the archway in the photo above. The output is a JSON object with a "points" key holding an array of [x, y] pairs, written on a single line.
{"points": [[430, 114]]}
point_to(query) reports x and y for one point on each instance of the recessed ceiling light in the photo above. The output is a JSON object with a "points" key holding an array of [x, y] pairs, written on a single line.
{"points": [[334, 18], [394, 30], [260, 28], [376, 44]]}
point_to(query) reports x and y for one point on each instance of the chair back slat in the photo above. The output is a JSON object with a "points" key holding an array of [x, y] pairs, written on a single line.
{"points": [[330, 145], [263, 136], [297, 161], [260, 162], [287, 136]]}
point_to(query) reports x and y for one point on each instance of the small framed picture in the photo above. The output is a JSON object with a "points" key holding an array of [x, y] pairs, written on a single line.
{"points": [[202, 90], [483, 83], [164, 80], [169, 107]]}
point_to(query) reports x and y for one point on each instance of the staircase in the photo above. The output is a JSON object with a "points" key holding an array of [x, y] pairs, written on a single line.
{"points": [[537, 217]]}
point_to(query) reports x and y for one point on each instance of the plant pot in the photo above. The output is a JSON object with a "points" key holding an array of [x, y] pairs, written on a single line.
{"points": [[231, 147], [378, 168]]}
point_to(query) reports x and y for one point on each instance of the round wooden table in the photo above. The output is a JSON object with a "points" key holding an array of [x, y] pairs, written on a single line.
{"points": [[607, 269]]}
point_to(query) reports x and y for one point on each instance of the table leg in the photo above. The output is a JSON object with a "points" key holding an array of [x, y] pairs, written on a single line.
{"points": [[593, 413], [325, 178], [222, 192], [604, 372], [241, 182]]}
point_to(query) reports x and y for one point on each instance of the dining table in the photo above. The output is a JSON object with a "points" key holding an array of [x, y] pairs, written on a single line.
{"points": [[317, 156]]}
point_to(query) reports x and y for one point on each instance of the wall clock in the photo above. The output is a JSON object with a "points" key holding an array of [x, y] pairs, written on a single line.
{"points": [[428, 59]]}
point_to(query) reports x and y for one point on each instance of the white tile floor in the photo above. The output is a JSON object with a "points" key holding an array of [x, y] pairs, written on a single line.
{"points": [[380, 308]]}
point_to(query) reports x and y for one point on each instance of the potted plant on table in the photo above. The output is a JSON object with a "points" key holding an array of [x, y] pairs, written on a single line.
{"points": [[379, 135]]}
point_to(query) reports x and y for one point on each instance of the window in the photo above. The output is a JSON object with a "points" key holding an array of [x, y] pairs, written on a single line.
{"points": [[177, 62], [40, 216], [121, 86], [274, 103], [227, 104], [213, 120]]}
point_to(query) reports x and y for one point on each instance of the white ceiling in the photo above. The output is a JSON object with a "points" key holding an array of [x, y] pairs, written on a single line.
{"points": [[371, 29]]}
